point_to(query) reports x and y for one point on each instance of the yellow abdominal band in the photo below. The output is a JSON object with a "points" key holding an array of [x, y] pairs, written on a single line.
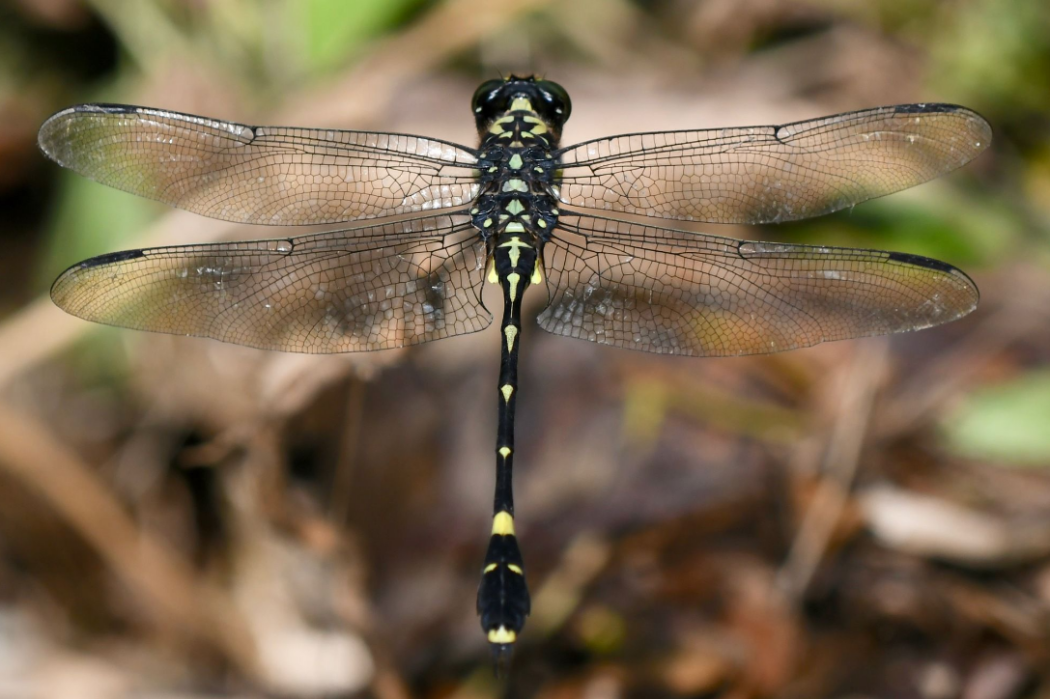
{"points": [[503, 523]]}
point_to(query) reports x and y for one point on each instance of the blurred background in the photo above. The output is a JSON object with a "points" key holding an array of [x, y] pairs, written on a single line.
{"points": [[183, 517]]}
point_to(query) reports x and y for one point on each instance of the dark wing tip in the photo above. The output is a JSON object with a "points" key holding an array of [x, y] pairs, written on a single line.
{"points": [[921, 261], [928, 107], [102, 108], [55, 133], [93, 108], [932, 264], [97, 261], [51, 123], [108, 258], [979, 126]]}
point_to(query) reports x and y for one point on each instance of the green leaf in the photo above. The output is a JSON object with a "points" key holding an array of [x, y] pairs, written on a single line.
{"points": [[1004, 423], [335, 30]]}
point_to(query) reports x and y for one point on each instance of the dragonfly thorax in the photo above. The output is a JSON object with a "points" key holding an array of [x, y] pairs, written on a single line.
{"points": [[516, 167]]}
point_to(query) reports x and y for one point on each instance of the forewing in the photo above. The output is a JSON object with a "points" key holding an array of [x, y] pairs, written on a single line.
{"points": [[258, 174], [367, 288], [766, 174], [676, 292]]}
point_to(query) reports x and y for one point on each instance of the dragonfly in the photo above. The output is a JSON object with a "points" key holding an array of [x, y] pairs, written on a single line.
{"points": [[518, 211]]}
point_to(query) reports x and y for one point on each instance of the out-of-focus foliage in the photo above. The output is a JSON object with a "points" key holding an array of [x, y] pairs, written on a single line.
{"points": [[88, 218], [993, 54], [331, 35], [1006, 422]]}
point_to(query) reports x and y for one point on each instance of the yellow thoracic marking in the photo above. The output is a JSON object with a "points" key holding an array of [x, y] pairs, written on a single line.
{"points": [[538, 126], [513, 279], [486, 223], [511, 332], [515, 162], [491, 567], [521, 104], [515, 568], [515, 185], [503, 523], [537, 273], [506, 390], [541, 223], [497, 126], [502, 635], [493, 277], [515, 207], [504, 452], [515, 227]]}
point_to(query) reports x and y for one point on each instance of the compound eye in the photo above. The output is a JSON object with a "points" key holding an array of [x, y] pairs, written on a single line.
{"points": [[484, 93], [557, 97]]}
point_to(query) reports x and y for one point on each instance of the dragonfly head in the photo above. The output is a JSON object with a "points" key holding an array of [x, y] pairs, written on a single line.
{"points": [[495, 98]]}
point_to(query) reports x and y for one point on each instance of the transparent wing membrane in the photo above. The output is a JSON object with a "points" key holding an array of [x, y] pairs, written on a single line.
{"points": [[259, 175], [766, 174], [666, 291], [366, 288]]}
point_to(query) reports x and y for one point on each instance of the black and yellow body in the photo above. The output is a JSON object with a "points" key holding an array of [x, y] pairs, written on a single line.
{"points": [[520, 121]]}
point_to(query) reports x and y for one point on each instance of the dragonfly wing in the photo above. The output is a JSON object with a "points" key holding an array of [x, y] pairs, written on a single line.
{"points": [[666, 291], [767, 174], [366, 288], [258, 174]]}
